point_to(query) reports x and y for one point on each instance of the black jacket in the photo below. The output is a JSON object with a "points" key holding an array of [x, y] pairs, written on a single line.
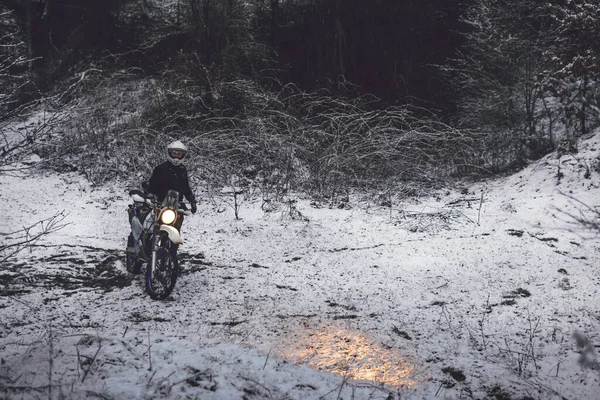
{"points": [[167, 176]]}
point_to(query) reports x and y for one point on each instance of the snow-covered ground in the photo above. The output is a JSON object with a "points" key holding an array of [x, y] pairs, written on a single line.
{"points": [[473, 292]]}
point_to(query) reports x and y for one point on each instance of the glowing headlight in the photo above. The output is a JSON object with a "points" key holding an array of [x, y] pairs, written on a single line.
{"points": [[168, 217]]}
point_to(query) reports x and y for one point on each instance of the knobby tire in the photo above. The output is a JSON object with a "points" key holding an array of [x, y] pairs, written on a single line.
{"points": [[162, 283]]}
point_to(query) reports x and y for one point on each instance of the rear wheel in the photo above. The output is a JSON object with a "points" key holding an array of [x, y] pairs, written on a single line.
{"points": [[161, 281], [133, 266]]}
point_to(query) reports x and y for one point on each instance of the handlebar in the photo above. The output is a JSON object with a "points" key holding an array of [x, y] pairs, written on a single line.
{"points": [[150, 199]]}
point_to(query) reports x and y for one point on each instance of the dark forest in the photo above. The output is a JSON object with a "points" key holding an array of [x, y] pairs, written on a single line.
{"points": [[368, 89]]}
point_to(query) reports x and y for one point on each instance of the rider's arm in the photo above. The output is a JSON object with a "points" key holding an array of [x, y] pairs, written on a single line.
{"points": [[187, 191], [153, 182]]}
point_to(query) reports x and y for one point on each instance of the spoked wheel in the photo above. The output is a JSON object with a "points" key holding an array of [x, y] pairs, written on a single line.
{"points": [[133, 266], [161, 281]]}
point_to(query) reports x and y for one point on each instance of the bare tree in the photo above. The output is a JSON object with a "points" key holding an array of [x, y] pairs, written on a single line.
{"points": [[14, 62], [574, 60], [14, 143], [495, 75], [14, 78]]}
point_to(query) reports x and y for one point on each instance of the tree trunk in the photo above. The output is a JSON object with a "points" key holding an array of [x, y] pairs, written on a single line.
{"points": [[206, 39], [274, 15], [29, 34], [339, 45], [583, 105]]}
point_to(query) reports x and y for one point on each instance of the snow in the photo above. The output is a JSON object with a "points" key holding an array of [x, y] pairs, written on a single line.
{"points": [[471, 292]]}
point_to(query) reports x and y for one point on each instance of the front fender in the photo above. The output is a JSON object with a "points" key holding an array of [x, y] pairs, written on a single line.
{"points": [[174, 235]]}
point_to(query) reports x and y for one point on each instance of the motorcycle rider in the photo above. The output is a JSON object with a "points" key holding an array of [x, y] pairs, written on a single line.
{"points": [[172, 175]]}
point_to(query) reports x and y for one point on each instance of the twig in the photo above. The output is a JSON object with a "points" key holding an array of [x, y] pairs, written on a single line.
{"points": [[81, 79], [152, 376], [78, 361], [334, 389], [440, 388], [464, 215], [342, 387], [259, 384], [149, 352], [93, 359], [532, 332], [482, 321], [163, 380], [21, 301], [264, 366], [50, 362], [479, 212]]}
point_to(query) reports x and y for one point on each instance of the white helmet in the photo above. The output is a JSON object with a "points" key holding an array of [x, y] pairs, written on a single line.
{"points": [[176, 152]]}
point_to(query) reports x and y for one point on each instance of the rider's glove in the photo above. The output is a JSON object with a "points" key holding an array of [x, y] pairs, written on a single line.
{"points": [[194, 208]]}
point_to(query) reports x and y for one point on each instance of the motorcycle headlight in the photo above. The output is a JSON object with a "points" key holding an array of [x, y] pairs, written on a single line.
{"points": [[168, 216]]}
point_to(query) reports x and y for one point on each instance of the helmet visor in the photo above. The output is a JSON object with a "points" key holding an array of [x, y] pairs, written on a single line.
{"points": [[177, 154]]}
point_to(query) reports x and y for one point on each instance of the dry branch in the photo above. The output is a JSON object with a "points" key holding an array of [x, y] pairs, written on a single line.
{"points": [[14, 242]]}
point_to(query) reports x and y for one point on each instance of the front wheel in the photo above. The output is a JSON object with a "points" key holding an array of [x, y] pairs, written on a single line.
{"points": [[161, 281]]}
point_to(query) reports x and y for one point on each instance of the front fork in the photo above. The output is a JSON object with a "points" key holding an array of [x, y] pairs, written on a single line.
{"points": [[169, 233], [155, 244]]}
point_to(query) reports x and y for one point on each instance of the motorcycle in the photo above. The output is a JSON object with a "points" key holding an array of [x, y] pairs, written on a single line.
{"points": [[153, 241]]}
